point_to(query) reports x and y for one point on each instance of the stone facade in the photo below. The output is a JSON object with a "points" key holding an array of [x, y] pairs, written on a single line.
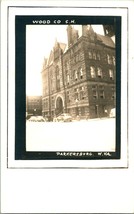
{"points": [[79, 78]]}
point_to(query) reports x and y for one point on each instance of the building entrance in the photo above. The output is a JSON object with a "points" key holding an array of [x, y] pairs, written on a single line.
{"points": [[59, 106]]}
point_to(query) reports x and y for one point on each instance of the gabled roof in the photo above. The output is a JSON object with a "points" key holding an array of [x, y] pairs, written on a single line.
{"points": [[106, 40], [51, 55], [62, 46]]}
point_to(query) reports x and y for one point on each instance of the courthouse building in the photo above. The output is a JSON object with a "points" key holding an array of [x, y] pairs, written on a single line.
{"points": [[79, 78]]}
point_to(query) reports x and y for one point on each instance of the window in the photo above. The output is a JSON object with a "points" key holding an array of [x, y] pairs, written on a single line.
{"points": [[76, 96], [82, 93], [46, 103], [101, 92], [81, 73], [52, 102], [90, 54], [94, 87], [99, 72], [113, 60], [94, 55], [75, 75], [68, 97], [52, 85], [57, 78], [111, 74], [109, 59], [98, 56], [92, 71], [94, 91], [113, 93], [95, 94]]}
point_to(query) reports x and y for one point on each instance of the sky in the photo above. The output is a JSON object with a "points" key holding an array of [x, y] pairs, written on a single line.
{"points": [[40, 40]]}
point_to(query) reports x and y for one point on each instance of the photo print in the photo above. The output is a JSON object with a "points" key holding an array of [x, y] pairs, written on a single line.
{"points": [[68, 87]]}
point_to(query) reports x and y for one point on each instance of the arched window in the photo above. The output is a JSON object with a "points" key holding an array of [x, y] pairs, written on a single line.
{"points": [[90, 54], [92, 71]]}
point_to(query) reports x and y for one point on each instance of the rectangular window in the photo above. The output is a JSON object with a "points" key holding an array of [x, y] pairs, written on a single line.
{"points": [[102, 94], [113, 93], [111, 74], [94, 55], [94, 91], [113, 60], [109, 59], [68, 97], [75, 75], [81, 73], [99, 72], [76, 96], [82, 93], [52, 102], [95, 94]]}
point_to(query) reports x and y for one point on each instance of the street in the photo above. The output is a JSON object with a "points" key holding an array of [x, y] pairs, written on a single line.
{"points": [[92, 135]]}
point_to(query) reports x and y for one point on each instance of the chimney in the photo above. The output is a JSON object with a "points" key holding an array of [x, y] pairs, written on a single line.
{"points": [[69, 35]]}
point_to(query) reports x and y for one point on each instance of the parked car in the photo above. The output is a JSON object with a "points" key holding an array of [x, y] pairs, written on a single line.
{"points": [[112, 112], [65, 117], [36, 119]]}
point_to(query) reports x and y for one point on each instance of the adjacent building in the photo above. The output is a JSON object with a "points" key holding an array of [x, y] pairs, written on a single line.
{"points": [[79, 78], [34, 105]]}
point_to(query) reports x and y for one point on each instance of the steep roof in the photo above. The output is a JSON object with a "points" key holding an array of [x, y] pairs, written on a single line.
{"points": [[51, 55], [106, 40], [62, 46]]}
